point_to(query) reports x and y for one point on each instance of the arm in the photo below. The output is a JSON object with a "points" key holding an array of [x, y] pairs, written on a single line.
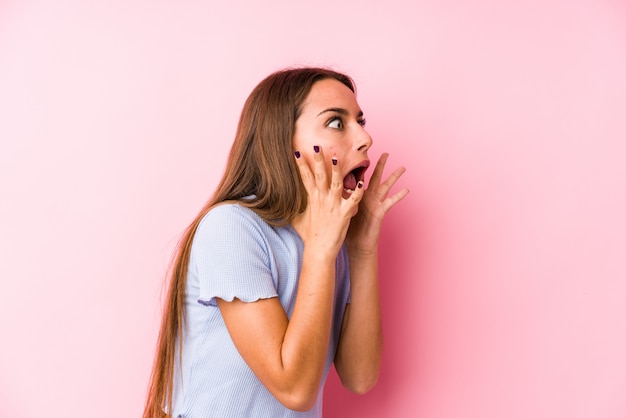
{"points": [[360, 346], [288, 355]]}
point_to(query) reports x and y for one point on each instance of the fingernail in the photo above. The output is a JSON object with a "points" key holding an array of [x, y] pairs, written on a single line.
{"points": [[297, 154], [334, 160], [316, 148], [360, 185]]}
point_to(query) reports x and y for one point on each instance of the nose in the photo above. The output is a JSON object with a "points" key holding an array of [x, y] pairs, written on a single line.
{"points": [[363, 140]]}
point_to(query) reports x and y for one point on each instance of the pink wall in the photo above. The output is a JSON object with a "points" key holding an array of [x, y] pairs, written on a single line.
{"points": [[503, 272]]}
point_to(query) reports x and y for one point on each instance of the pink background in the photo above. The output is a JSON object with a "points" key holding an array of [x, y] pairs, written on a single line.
{"points": [[503, 272]]}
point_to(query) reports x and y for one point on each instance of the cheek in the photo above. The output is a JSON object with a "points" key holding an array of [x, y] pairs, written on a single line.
{"points": [[329, 150]]}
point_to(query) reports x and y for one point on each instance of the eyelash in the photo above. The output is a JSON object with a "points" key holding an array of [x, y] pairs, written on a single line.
{"points": [[361, 122]]}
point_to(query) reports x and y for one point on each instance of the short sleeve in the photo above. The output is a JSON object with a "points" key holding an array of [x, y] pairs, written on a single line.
{"points": [[230, 257]]}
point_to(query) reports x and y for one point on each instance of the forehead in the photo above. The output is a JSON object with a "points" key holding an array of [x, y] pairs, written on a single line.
{"points": [[329, 93]]}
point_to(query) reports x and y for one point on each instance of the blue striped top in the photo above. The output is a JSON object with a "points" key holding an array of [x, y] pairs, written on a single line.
{"points": [[236, 254]]}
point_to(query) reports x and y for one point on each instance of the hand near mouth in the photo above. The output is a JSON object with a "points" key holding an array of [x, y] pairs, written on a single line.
{"points": [[360, 348], [364, 231], [324, 223]]}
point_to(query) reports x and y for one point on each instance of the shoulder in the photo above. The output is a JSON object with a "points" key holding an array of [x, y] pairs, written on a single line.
{"points": [[227, 231], [230, 214], [229, 223]]}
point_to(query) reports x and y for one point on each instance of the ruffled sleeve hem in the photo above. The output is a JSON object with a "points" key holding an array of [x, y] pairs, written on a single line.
{"points": [[247, 299], [231, 257]]}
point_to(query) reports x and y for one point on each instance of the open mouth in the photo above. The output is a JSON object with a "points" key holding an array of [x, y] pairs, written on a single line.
{"points": [[351, 179]]}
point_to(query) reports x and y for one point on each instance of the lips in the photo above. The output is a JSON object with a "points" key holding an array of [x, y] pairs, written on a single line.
{"points": [[355, 175]]}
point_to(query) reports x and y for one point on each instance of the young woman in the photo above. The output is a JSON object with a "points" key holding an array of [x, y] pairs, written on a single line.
{"points": [[276, 278]]}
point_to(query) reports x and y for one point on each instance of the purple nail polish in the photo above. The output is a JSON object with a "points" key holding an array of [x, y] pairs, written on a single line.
{"points": [[297, 154], [360, 185], [316, 148], [334, 160]]}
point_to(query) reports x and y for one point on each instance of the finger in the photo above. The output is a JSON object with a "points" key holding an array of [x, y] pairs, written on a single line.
{"points": [[318, 168], [378, 171], [336, 182], [391, 201], [308, 179], [357, 194], [383, 189]]}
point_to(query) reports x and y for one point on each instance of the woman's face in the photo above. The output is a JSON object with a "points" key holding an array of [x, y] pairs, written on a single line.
{"points": [[332, 119]]}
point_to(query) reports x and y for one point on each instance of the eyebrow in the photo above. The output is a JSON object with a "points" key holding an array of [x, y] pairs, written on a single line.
{"points": [[339, 110]]}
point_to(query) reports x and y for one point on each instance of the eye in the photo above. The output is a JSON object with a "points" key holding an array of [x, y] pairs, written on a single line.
{"points": [[335, 123], [362, 122]]}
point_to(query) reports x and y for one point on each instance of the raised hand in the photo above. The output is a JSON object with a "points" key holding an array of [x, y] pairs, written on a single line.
{"points": [[324, 223], [364, 231]]}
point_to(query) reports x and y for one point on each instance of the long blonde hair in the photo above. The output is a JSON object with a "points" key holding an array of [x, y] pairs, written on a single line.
{"points": [[260, 164]]}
